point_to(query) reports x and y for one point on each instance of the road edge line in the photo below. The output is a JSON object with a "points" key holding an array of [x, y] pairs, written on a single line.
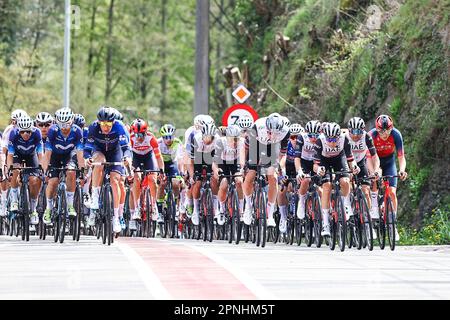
{"points": [[150, 279]]}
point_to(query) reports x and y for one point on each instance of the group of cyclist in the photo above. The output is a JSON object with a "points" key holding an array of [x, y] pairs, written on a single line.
{"points": [[284, 152]]}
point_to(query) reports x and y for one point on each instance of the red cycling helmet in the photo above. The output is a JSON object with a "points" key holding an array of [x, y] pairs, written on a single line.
{"points": [[384, 122], [138, 126]]}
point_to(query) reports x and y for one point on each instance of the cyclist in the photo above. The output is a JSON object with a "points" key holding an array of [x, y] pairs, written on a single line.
{"points": [[64, 139], [145, 146], [387, 140], [201, 153], [80, 121], [199, 121], [227, 157], [108, 140], [43, 121], [290, 168], [25, 145], [3, 154], [171, 151], [222, 131], [333, 151], [265, 145], [361, 143], [306, 146]]}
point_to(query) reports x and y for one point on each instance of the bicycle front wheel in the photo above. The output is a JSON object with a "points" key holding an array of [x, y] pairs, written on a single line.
{"points": [[390, 223], [263, 219]]}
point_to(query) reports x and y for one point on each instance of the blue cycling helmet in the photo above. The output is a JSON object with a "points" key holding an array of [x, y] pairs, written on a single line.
{"points": [[106, 114], [79, 120]]}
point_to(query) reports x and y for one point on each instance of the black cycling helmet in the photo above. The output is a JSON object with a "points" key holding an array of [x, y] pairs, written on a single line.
{"points": [[106, 114]]}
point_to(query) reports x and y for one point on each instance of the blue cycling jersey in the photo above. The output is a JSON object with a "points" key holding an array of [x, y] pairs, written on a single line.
{"points": [[85, 134], [118, 138], [25, 147], [292, 153], [59, 144]]}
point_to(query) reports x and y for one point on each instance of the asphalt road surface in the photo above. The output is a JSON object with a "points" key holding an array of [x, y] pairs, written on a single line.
{"points": [[136, 268]]}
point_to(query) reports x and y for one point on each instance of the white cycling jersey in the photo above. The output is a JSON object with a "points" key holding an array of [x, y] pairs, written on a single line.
{"points": [[307, 148], [262, 133], [5, 137], [226, 152], [360, 147]]}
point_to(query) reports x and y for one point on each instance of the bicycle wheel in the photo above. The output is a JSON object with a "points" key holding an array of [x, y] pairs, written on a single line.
{"points": [[148, 214], [390, 222], [366, 222], [317, 221], [171, 213], [333, 226], [341, 224], [109, 214], [263, 219], [62, 207], [229, 218], [210, 215], [246, 233], [25, 210], [309, 221], [78, 205], [237, 227], [381, 230]]}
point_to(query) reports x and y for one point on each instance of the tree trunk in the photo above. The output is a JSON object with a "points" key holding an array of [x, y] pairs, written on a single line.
{"points": [[163, 104], [91, 51], [202, 58], [109, 52]]}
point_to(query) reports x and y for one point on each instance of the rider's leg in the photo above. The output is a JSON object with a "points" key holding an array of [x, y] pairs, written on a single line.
{"points": [[97, 178], [222, 194], [326, 203], [271, 195], [282, 206], [136, 191], [239, 182], [247, 188], [160, 194], [215, 190], [196, 196], [35, 186], [302, 198], [70, 191], [152, 185]]}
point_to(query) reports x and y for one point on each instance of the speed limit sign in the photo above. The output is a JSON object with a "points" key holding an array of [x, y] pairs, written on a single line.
{"points": [[233, 113]]}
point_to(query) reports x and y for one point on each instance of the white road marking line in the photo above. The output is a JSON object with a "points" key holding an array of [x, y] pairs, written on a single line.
{"points": [[254, 286], [150, 279]]}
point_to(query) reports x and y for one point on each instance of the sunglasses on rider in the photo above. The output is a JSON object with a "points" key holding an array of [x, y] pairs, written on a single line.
{"points": [[108, 124], [356, 132], [383, 131], [332, 139], [168, 137], [313, 135], [44, 125], [65, 125], [25, 131]]}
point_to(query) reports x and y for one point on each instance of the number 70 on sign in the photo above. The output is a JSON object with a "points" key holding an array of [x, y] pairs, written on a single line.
{"points": [[234, 113]]}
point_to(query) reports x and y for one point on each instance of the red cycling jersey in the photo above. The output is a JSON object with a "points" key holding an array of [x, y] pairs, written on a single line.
{"points": [[148, 145], [386, 148]]}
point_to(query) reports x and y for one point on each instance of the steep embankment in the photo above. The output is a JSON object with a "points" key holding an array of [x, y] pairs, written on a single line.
{"points": [[340, 59]]}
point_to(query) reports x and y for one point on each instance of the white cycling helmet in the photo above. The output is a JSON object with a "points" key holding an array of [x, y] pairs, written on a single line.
{"points": [[64, 115], [209, 129], [233, 131], [332, 129], [16, 114], [356, 123], [274, 122], [295, 128], [286, 121], [245, 122], [44, 117], [313, 126], [24, 123], [198, 120]]}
